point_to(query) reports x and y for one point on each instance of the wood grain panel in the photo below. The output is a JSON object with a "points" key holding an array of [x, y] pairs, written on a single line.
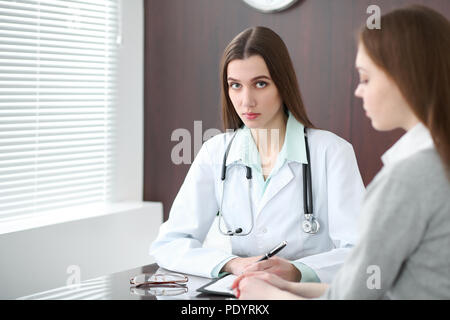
{"points": [[184, 40]]}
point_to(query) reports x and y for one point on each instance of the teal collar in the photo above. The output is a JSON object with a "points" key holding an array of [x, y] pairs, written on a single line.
{"points": [[244, 150]]}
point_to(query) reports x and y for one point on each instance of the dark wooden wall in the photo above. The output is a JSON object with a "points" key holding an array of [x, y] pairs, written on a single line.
{"points": [[184, 40]]}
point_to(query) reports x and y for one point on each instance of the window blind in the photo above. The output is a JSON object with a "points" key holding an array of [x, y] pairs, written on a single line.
{"points": [[57, 98]]}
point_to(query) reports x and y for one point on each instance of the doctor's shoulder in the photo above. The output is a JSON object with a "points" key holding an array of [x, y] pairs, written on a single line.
{"points": [[330, 147], [214, 147], [328, 143]]}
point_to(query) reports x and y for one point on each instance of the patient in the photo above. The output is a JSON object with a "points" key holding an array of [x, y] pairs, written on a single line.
{"points": [[403, 250]]}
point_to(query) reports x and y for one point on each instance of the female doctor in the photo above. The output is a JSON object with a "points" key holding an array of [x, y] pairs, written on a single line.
{"points": [[273, 178]]}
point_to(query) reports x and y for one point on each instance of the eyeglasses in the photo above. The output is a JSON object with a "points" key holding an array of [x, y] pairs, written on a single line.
{"points": [[159, 280], [159, 291], [160, 284]]}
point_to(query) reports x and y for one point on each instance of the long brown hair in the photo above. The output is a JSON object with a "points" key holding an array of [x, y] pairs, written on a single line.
{"points": [[413, 48], [266, 43]]}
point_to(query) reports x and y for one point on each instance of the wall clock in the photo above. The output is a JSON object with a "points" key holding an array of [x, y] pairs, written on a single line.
{"points": [[268, 6]]}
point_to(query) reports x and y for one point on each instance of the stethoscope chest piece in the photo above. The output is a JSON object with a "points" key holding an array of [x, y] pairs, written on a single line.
{"points": [[310, 224]]}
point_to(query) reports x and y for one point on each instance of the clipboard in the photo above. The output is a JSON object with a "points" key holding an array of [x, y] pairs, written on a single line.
{"points": [[214, 286]]}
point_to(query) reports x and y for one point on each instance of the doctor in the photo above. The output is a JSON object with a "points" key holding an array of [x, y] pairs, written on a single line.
{"points": [[274, 178]]}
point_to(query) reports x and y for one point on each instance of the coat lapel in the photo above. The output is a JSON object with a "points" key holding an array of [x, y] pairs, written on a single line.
{"points": [[278, 182]]}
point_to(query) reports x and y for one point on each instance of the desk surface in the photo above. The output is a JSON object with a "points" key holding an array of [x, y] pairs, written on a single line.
{"points": [[117, 287]]}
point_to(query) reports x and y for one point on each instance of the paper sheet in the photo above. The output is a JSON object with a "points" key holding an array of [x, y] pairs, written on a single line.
{"points": [[223, 284]]}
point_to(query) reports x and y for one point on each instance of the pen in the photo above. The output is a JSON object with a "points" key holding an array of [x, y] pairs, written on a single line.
{"points": [[274, 251]]}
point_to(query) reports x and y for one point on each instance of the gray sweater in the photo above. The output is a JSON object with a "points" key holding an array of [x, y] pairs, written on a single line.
{"points": [[404, 246]]}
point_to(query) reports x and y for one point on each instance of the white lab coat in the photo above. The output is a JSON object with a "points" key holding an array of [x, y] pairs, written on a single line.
{"points": [[278, 215]]}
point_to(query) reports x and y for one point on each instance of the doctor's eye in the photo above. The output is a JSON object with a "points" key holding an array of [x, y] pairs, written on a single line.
{"points": [[234, 85], [261, 84]]}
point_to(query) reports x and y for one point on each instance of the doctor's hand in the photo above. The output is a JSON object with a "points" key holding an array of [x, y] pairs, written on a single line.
{"points": [[278, 266], [237, 266]]}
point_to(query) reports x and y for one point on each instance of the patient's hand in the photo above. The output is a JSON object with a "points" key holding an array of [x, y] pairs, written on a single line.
{"points": [[270, 278], [257, 288]]}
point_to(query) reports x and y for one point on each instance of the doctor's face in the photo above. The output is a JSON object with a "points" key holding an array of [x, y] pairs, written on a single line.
{"points": [[382, 100], [253, 93]]}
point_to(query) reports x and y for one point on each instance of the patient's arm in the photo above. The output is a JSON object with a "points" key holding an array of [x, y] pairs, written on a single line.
{"points": [[307, 290]]}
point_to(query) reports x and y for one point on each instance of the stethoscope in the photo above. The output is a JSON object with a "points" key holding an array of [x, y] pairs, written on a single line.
{"points": [[309, 225]]}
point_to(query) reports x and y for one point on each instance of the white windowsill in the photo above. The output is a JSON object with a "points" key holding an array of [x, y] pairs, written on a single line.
{"points": [[32, 221], [98, 240]]}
